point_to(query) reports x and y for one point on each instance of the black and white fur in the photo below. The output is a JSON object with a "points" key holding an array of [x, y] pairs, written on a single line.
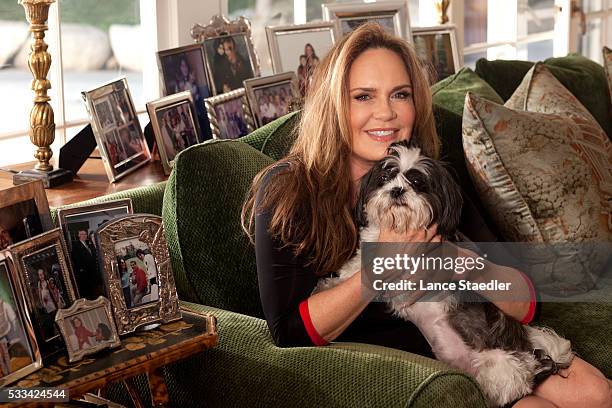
{"points": [[407, 190]]}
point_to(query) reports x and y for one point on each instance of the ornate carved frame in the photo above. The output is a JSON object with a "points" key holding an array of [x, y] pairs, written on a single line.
{"points": [[214, 101]]}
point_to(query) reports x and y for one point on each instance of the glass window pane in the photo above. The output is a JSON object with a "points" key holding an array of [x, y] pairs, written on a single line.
{"points": [[591, 40], [469, 60], [535, 16], [101, 40], [475, 22], [262, 13], [536, 51], [589, 6]]}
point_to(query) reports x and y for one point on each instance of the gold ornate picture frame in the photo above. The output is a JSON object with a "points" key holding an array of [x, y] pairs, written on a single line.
{"points": [[116, 127], [24, 213], [392, 15], [229, 52], [87, 327], [437, 48], [45, 274], [229, 115], [137, 271], [175, 125], [271, 97], [19, 352]]}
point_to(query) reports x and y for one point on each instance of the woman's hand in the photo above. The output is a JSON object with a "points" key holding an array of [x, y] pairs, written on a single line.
{"points": [[425, 235]]}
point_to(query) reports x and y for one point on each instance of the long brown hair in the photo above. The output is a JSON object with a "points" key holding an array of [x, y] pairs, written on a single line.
{"points": [[310, 200]]}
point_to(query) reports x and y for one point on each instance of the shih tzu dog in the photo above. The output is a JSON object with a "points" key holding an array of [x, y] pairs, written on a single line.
{"points": [[408, 191]]}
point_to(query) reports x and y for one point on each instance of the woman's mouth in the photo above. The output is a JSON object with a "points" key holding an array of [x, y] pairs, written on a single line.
{"points": [[382, 135]]}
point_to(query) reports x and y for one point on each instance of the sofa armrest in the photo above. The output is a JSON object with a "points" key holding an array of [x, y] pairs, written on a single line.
{"points": [[247, 369]]}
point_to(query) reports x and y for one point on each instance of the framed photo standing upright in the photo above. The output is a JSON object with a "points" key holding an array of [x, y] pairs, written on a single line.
{"points": [[137, 271], [230, 54], [44, 273], [24, 213], [116, 127], [437, 49], [300, 48], [392, 15], [175, 124], [19, 353], [229, 115], [270, 97], [184, 69]]}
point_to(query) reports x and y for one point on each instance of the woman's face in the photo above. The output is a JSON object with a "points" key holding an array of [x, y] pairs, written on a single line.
{"points": [[381, 105], [308, 50], [184, 68]]}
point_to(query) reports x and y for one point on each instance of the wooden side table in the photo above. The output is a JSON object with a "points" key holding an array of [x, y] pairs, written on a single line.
{"points": [[140, 353]]}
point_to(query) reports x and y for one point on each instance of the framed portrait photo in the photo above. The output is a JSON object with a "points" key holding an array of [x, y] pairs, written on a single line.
{"points": [[78, 225], [137, 272], [87, 327], [19, 353], [24, 213], [300, 48], [437, 49], [229, 115], [175, 126], [391, 15], [270, 97], [116, 127], [45, 274]]}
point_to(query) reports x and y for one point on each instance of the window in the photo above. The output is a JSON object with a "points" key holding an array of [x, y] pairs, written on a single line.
{"points": [[97, 41], [596, 30]]}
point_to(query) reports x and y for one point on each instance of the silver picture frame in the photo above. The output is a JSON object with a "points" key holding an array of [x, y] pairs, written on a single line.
{"points": [[16, 322], [219, 125], [88, 313], [393, 15], [113, 119], [170, 144], [211, 36], [425, 44], [256, 86], [120, 241]]}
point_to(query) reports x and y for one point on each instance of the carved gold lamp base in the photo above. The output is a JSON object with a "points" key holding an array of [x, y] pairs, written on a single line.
{"points": [[50, 179]]}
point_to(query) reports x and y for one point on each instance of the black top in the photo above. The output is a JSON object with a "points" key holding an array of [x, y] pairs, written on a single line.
{"points": [[285, 281]]}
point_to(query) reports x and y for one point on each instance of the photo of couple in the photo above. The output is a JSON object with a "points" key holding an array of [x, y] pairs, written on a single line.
{"points": [[308, 62], [137, 271], [229, 60], [83, 335]]}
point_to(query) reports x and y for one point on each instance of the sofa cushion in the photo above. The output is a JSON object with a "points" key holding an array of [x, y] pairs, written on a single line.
{"points": [[448, 98], [533, 182], [275, 138], [584, 78], [212, 258]]}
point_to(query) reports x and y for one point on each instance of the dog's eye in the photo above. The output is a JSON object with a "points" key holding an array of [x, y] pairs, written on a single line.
{"points": [[416, 180]]}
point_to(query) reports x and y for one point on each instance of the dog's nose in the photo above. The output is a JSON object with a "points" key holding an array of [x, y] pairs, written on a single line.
{"points": [[397, 191]]}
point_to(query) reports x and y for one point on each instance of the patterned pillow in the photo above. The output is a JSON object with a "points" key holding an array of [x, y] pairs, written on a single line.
{"points": [[529, 176], [607, 60]]}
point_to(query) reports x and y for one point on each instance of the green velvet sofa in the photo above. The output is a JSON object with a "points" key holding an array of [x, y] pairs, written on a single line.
{"points": [[214, 266]]}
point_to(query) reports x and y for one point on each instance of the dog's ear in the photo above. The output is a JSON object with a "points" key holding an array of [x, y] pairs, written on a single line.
{"points": [[369, 183], [449, 199]]}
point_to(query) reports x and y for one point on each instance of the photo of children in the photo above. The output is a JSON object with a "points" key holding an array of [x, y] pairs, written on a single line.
{"points": [[177, 126], [18, 222], [104, 113], [47, 289], [230, 117], [273, 101], [137, 272], [88, 329], [15, 351], [114, 148]]}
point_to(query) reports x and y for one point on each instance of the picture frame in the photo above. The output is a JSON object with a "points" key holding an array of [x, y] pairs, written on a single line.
{"points": [[229, 52], [270, 97], [392, 15], [427, 42], [300, 47], [239, 123], [137, 271], [184, 69], [24, 213], [120, 139], [45, 274], [87, 322], [175, 125], [19, 352], [82, 250]]}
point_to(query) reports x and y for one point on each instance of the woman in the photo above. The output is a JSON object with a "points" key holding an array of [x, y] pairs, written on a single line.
{"points": [[300, 210], [44, 295], [82, 333]]}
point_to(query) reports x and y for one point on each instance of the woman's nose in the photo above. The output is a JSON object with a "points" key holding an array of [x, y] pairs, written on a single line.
{"points": [[384, 110]]}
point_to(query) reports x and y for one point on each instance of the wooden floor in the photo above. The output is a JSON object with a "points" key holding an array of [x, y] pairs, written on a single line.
{"points": [[91, 182]]}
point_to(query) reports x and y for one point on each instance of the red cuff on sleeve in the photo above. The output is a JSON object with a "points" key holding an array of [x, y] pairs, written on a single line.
{"points": [[532, 303], [316, 339]]}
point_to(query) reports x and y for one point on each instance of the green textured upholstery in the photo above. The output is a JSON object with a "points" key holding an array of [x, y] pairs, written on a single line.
{"points": [[212, 259], [582, 77], [247, 370], [276, 138]]}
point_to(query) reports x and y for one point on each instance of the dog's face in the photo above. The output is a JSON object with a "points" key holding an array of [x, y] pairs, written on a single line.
{"points": [[409, 191]]}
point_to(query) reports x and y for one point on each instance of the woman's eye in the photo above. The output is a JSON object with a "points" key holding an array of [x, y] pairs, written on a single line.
{"points": [[403, 95], [362, 97]]}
